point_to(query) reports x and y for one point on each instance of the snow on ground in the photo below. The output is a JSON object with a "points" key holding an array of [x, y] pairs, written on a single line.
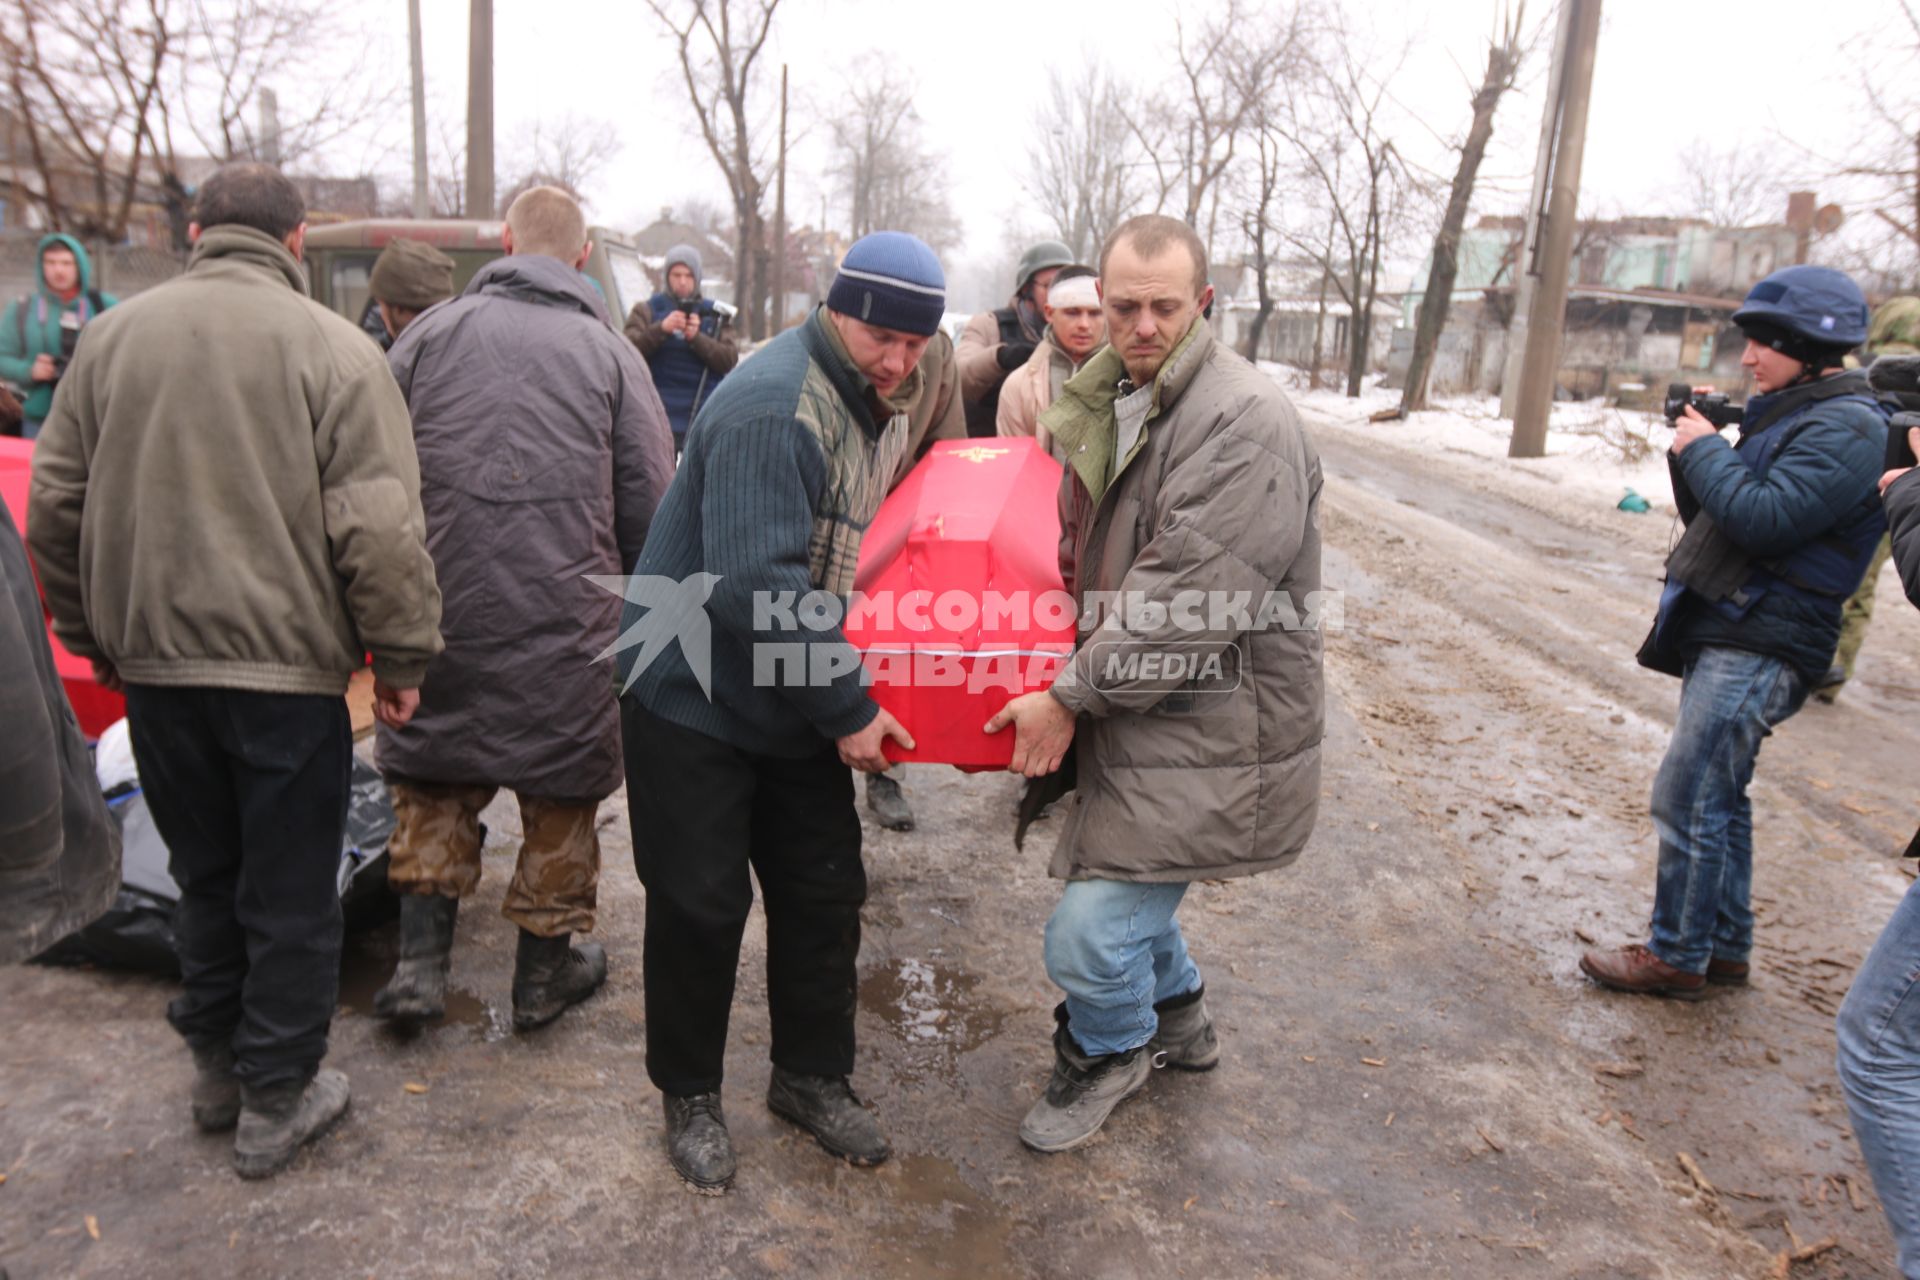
{"points": [[1593, 451]]}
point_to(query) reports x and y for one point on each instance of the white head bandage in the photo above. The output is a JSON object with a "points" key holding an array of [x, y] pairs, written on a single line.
{"points": [[1077, 292]]}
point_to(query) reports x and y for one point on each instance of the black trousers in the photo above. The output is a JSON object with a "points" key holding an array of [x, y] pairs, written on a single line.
{"points": [[249, 790], [703, 813]]}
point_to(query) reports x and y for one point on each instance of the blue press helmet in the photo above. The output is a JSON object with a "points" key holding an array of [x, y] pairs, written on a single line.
{"points": [[1819, 305]]}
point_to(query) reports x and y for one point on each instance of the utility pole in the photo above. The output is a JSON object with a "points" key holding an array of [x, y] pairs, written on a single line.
{"points": [[1524, 266], [480, 110], [780, 219], [270, 128], [421, 208], [1537, 375]]}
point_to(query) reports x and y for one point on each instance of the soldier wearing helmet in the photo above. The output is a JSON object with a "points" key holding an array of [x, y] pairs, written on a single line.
{"points": [[995, 343]]}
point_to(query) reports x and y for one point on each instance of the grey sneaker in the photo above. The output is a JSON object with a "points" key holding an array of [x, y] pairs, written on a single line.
{"points": [[277, 1119], [698, 1145], [1185, 1038], [889, 806], [826, 1107], [417, 992], [1082, 1093], [216, 1094]]}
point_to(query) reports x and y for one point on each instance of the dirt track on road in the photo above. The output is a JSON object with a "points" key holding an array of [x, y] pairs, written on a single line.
{"points": [[1410, 1085]]}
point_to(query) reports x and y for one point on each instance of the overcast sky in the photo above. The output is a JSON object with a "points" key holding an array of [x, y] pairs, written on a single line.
{"points": [[1751, 70]]}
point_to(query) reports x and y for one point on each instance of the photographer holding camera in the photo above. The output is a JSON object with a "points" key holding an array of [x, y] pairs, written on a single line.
{"points": [[684, 339], [1780, 529], [39, 331]]}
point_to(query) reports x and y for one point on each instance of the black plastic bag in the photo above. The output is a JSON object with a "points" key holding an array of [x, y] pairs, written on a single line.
{"points": [[137, 931]]}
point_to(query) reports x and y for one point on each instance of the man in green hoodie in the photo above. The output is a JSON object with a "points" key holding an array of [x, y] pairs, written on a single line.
{"points": [[39, 330]]}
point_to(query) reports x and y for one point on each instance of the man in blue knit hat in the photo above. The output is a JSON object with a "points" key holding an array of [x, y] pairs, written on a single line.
{"points": [[759, 715]]}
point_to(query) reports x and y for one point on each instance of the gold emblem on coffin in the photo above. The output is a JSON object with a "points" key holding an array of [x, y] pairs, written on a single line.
{"points": [[979, 453]]}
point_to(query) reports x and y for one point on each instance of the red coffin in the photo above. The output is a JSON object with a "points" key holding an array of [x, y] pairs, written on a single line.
{"points": [[958, 604], [93, 706]]}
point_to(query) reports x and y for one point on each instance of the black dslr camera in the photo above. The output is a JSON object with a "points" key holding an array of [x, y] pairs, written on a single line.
{"points": [[1899, 446], [69, 339], [1711, 405]]}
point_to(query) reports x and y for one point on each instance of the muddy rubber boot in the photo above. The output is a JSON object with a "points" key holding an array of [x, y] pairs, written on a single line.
{"points": [[417, 992], [698, 1145], [216, 1094], [1185, 1038], [889, 806], [826, 1107], [1082, 1092], [551, 974], [277, 1119]]}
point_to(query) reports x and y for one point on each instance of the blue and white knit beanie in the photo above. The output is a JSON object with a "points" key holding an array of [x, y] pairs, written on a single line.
{"points": [[892, 280]]}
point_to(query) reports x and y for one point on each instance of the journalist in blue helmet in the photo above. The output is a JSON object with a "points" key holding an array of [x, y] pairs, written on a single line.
{"points": [[1780, 526]]}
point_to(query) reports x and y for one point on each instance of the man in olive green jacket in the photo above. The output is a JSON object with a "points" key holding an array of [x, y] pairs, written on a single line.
{"points": [[225, 515], [1194, 699]]}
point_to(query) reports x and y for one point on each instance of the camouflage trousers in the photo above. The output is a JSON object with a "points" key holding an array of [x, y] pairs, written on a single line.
{"points": [[436, 849]]}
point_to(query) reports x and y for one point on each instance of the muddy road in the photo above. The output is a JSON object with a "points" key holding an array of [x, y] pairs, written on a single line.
{"points": [[1417, 1082]]}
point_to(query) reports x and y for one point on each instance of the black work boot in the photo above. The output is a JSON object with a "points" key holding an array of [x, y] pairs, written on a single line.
{"points": [[277, 1118], [1083, 1091], [418, 990], [826, 1107], [1185, 1038], [697, 1143], [889, 806], [550, 974], [216, 1094]]}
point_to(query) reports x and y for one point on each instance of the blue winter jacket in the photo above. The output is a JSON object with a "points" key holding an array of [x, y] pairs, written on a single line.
{"points": [[1799, 496]]}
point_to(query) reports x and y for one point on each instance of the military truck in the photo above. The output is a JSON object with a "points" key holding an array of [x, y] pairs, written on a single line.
{"points": [[340, 258]]}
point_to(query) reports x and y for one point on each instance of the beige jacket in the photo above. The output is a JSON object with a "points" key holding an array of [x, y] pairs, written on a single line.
{"points": [[1215, 505], [226, 493], [1030, 389]]}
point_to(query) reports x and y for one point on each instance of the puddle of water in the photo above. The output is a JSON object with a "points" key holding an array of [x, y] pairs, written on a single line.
{"points": [[963, 1233], [367, 964], [927, 1004]]}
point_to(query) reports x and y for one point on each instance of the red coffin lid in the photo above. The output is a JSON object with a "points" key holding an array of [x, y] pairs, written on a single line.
{"points": [[975, 520], [95, 707]]}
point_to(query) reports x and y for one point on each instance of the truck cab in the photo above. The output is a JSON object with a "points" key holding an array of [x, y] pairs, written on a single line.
{"points": [[340, 256]]}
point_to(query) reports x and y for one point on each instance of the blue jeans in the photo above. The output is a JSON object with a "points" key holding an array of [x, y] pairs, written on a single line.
{"points": [[1730, 700], [1115, 948], [1880, 1070]]}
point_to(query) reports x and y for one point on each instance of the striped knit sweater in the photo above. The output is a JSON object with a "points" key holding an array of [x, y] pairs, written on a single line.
{"points": [[784, 467]]}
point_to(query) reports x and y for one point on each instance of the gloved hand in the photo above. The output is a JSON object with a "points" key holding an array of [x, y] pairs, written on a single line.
{"points": [[1013, 354]]}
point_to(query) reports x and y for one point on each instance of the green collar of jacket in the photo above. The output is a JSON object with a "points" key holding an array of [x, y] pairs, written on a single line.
{"points": [[229, 242], [1083, 423]]}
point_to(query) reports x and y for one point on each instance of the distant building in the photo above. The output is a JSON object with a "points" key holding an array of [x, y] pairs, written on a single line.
{"points": [[1301, 310], [1649, 301]]}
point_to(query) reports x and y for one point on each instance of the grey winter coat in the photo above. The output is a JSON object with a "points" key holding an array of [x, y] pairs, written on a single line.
{"points": [[1214, 503], [543, 453], [59, 850]]}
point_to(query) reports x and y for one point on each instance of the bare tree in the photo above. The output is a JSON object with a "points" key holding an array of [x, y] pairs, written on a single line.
{"points": [[1734, 186], [884, 169], [1334, 118], [83, 76], [1882, 160], [719, 43], [1504, 52], [568, 153], [1270, 154], [1078, 170], [1227, 67]]}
